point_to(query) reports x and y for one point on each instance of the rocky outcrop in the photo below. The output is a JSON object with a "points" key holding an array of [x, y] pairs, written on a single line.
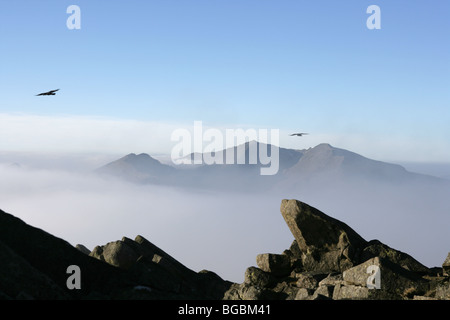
{"points": [[446, 265], [325, 244], [329, 260], [34, 265], [154, 268]]}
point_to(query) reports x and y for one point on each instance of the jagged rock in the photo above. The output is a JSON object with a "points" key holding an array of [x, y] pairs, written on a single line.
{"points": [[309, 280], [329, 260], [350, 292], [304, 294], [446, 265], [323, 292], [83, 249], [117, 253], [443, 291], [34, 263], [332, 279], [257, 277], [326, 244], [394, 279], [276, 264], [375, 248]]}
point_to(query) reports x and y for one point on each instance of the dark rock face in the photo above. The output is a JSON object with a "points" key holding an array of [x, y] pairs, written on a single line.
{"points": [[329, 260], [34, 266]]}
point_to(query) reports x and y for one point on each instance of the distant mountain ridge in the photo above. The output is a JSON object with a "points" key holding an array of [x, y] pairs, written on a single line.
{"points": [[140, 168], [322, 164]]}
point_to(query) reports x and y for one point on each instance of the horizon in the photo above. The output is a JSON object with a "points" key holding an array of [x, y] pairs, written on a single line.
{"points": [[85, 162]]}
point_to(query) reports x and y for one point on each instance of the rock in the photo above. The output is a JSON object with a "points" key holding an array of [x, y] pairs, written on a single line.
{"points": [[21, 281], [304, 294], [332, 279], [326, 244], [350, 292], [83, 249], [309, 280], [37, 264], [446, 265], [277, 264], [377, 249], [443, 291], [423, 298], [34, 263], [393, 279], [117, 253], [259, 278], [324, 291]]}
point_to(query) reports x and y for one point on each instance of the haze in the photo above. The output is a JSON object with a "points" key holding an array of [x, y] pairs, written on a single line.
{"points": [[219, 230]]}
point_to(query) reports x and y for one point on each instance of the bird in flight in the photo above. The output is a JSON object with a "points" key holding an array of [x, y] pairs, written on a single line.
{"points": [[48, 93], [298, 134]]}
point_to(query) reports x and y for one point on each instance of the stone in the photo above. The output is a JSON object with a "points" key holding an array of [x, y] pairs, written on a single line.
{"points": [[277, 264], [332, 279], [83, 249], [259, 278], [394, 279], [304, 294], [375, 248], [324, 291], [350, 292], [326, 244], [443, 291], [309, 280], [446, 265], [117, 253]]}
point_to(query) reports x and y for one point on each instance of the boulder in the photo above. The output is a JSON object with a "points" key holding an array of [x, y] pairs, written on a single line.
{"points": [[117, 253], [443, 291], [83, 249], [325, 244], [304, 294], [393, 280], [259, 278], [323, 292], [277, 264], [350, 292], [375, 248], [446, 265], [309, 280]]}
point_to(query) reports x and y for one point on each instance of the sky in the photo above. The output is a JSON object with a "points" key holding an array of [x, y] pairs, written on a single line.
{"points": [[137, 70]]}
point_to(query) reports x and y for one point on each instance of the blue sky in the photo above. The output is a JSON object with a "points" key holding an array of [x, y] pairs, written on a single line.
{"points": [[311, 66]]}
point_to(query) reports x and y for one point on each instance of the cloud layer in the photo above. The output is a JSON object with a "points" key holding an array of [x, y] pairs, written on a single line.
{"points": [[84, 134]]}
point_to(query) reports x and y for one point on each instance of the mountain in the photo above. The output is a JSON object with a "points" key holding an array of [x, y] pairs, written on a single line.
{"points": [[140, 168], [326, 163], [321, 166]]}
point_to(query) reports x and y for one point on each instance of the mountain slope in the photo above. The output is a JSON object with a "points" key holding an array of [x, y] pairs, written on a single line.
{"points": [[140, 168], [327, 164], [323, 165]]}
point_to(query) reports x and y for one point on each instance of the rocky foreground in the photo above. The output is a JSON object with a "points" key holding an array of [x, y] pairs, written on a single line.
{"points": [[327, 260]]}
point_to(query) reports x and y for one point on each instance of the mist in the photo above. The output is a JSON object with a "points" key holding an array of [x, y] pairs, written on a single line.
{"points": [[203, 230], [218, 230]]}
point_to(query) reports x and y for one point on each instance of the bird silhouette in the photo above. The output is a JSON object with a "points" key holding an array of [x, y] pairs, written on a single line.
{"points": [[48, 93], [298, 134]]}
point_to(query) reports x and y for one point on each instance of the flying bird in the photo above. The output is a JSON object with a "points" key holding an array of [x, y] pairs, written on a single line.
{"points": [[298, 134], [48, 93]]}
